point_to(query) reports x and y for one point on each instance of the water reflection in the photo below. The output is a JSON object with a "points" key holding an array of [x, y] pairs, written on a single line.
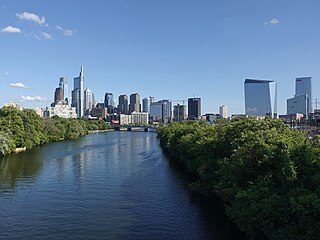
{"points": [[18, 166]]}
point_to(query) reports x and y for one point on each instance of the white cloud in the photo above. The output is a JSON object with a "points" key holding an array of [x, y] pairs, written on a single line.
{"points": [[272, 22], [67, 32], [11, 29], [46, 36], [18, 85], [32, 99], [42, 36], [60, 28], [32, 17]]}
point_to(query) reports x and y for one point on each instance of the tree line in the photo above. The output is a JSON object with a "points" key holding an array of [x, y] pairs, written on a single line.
{"points": [[267, 174], [19, 129]]}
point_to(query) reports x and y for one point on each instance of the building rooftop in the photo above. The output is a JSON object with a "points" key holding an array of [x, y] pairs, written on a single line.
{"points": [[257, 81]]}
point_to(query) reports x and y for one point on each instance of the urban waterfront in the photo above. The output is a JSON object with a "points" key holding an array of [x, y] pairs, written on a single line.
{"points": [[112, 185]]}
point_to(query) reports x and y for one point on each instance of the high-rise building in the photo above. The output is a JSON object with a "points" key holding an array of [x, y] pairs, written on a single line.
{"points": [[302, 100], [298, 104], [180, 113], [63, 84], [109, 103], [161, 111], [134, 105], [123, 104], [260, 98], [304, 87], [89, 100], [58, 95], [194, 108], [223, 111], [146, 104], [78, 94]]}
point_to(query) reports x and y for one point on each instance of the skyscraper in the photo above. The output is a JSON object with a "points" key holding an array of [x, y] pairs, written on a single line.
{"points": [[194, 108], [304, 86], [260, 97], [146, 104], [89, 100], [223, 111], [63, 84], [123, 104], [78, 94], [161, 111], [134, 105], [302, 100], [109, 103], [180, 113], [58, 95]]}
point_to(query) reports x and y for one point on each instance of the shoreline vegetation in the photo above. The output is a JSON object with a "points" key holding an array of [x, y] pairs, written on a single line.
{"points": [[22, 130], [267, 174]]}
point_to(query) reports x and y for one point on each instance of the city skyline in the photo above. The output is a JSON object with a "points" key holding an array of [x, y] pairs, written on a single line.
{"points": [[155, 49]]}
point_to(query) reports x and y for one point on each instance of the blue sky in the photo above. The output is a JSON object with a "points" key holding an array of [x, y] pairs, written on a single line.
{"points": [[169, 49]]}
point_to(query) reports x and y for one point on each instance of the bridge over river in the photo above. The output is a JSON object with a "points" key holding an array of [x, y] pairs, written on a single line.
{"points": [[134, 128]]}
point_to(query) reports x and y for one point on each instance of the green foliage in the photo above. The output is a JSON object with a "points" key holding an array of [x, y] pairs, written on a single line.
{"points": [[267, 173], [26, 129], [11, 122], [6, 144]]}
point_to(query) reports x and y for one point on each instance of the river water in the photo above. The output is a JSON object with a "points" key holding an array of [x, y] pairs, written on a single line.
{"points": [[112, 185]]}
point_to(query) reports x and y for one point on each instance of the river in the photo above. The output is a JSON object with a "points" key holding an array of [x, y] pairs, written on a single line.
{"points": [[112, 185]]}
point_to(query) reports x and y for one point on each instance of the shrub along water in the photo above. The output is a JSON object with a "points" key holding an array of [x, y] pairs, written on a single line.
{"points": [[267, 174], [26, 128]]}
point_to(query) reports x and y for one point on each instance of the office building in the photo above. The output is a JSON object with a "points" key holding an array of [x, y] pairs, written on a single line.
{"points": [[180, 113], [63, 84], [58, 95], [89, 100], [78, 94], [134, 105], [223, 111], [109, 103], [125, 119], [62, 110], [99, 111], [260, 98], [161, 111], [123, 106], [302, 100], [298, 104], [146, 104], [139, 118], [194, 108]]}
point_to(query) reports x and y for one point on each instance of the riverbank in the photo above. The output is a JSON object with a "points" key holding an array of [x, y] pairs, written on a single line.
{"points": [[266, 174], [99, 131], [26, 129]]}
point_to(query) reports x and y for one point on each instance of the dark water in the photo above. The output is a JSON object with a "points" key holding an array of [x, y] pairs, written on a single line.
{"points": [[114, 185]]}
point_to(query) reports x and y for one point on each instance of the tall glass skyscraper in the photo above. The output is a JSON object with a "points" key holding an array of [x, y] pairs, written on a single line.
{"points": [[63, 84], [109, 103], [161, 111], [78, 94], [146, 104], [194, 108], [123, 106], [304, 87], [260, 97], [89, 100]]}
